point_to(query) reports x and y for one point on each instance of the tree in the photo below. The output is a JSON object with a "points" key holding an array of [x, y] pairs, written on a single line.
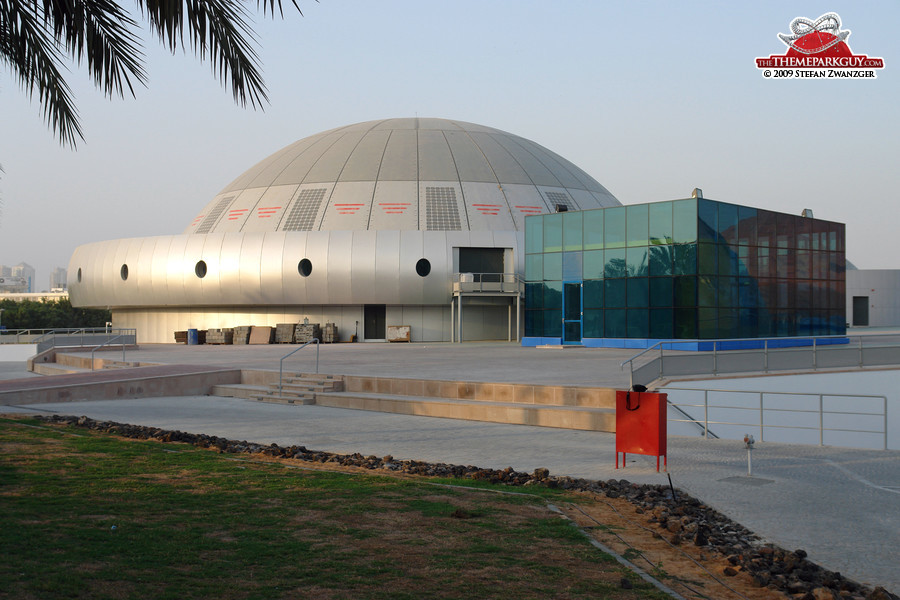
{"points": [[37, 36]]}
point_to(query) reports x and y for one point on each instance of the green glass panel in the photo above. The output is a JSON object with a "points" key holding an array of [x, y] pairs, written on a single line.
{"points": [[572, 234], [686, 291], [592, 293], [593, 229], [685, 324], [707, 323], [614, 293], [728, 260], [593, 324], [662, 291], [746, 260], [614, 263], [638, 292], [638, 323], [707, 259], [534, 323], [765, 323], [748, 292], [661, 223], [728, 223], [553, 225], [572, 301], [784, 230], [686, 259], [765, 228], [553, 266], [746, 226], [571, 266], [729, 323], [614, 227], [707, 221], [728, 291], [684, 221], [707, 290], [553, 323], [534, 267], [662, 260], [593, 264], [534, 234], [614, 323], [748, 323], [636, 262], [637, 225], [534, 296], [661, 323], [553, 295]]}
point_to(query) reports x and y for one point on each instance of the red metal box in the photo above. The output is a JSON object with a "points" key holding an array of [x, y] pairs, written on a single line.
{"points": [[641, 425]]}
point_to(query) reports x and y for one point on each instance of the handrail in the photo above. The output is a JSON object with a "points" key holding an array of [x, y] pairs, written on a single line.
{"points": [[479, 280], [761, 408], [704, 425], [281, 363], [106, 343]]}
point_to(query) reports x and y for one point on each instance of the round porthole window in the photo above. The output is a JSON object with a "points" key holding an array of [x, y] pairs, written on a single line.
{"points": [[200, 269], [123, 272], [423, 267], [79, 275], [304, 267]]}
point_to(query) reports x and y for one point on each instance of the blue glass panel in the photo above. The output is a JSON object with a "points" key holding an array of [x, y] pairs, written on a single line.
{"points": [[728, 260], [571, 267], [728, 291], [707, 291], [707, 259], [572, 331], [686, 259], [553, 225], [553, 266], [661, 291], [593, 324], [572, 230], [686, 291], [592, 292], [684, 221], [553, 295], [662, 259], [685, 323], [729, 323], [534, 234], [638, 323], [765, 229], [553, 323], [707, 222], [661, 323], [728, 223], [784, 229], [707, 323], [593, 230], [534, 323], [637, 225], [748, 292], [614, 263], [748, 326], [615, 323], [638, 292], [534, 295], [614, 293], [746, 226], [661, 223], [636, 262], [534, 267], [614, 227], [593, 264]]}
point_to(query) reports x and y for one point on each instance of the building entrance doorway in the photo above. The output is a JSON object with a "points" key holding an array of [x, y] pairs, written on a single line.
{"points": [[572, 313], [860, 311], [374, 322]]}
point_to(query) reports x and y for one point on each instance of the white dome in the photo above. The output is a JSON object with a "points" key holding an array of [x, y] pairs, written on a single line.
{"points": [[402, 174]]}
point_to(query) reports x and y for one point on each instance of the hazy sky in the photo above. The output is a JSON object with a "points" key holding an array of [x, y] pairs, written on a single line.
{"points": [[651, 98]]}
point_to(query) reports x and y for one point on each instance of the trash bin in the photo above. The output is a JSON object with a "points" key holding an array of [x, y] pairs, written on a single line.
{"points": [[193, 337], [641, 425]]}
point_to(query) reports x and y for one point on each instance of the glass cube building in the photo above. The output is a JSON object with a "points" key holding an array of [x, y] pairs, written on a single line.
{"points": [[693, 269]]}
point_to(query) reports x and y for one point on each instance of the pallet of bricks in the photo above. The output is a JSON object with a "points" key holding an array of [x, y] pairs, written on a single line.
{"points": [[330, 333], [220, 336], [284, 333], [242, 334], [181, 337], [305, 332]]}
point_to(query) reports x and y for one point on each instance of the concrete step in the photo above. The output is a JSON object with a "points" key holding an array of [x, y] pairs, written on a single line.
{"points": [[276, 399], [567, 417], [237, 390]]}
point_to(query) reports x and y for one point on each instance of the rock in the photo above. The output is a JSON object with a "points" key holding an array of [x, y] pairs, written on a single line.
{"points": [[541, 473], [880, 593], [730, 571], [625, 583]]}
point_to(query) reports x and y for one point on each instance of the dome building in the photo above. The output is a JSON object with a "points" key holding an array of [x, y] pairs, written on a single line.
{"points": [[388, 222]]}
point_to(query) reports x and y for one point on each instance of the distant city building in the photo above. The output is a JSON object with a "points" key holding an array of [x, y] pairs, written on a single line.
{"points": [[26, 272], [58, 279]]}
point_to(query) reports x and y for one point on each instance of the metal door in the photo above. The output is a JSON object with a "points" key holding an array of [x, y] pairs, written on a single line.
{"points": [[572, 313], [860, 311]]}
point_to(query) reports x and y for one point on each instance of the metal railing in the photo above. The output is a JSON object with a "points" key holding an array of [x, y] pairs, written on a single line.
{"points": [[66, 337], [106, 344], [281, 362], [762, 355], [507, 283], [760, 409]]}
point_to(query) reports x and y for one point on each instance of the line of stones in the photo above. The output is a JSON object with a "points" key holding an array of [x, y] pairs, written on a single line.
{"points": [[681, 518]]}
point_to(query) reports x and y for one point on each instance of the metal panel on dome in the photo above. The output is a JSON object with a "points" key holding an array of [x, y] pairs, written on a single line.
{"points": [[349, 206], [524, 200], [400, 157], [486, 206], [365, 159], [317, 253], [441, 204], [206, 221], [395, 206], [297, 169], [361, 253], [193, 285], [520, 149], [175, 270], [295, 285], [269, 209], [435, 159], [250, 266], [211, 285], [237, 213], [503, 164], [387, 273], [158, 267], [555, 164], [584, 199], [263, 172], [271, 276], [307, 208], [340, 259], [331, 163], [228, 264], [471, 164], [556, 196], [411, 285], [144, 264], [437, 250]]}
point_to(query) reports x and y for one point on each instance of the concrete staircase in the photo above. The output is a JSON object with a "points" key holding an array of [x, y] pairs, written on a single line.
{"points": [[304, 388]]}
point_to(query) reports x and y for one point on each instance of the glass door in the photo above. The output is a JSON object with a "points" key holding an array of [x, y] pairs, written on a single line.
{"points": [[572, 313]]}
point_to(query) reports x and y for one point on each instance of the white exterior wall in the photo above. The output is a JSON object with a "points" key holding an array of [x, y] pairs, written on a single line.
{"points": [[882, 287]]}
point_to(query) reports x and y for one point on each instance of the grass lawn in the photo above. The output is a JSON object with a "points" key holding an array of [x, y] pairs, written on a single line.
{"points": [[87, 515]]}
